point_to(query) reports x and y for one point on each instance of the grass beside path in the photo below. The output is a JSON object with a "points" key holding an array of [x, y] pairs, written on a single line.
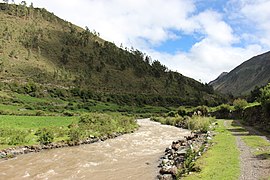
{"points": [[221, 161], [260, 147]]}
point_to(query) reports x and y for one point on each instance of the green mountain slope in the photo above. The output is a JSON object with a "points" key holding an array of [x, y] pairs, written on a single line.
{"points": [[244, 78], [38, 47]]}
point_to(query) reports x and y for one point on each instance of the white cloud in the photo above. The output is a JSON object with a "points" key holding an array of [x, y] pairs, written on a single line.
{"points": [[124, 21], [147, 24], [214, 54], [206, 61], [258, 13], [254, 15]]}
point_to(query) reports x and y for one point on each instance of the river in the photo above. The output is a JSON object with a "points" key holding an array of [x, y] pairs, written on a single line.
{"points": [[130, 156]]}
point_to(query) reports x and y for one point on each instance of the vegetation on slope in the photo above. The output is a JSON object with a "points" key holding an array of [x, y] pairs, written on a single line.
{"points": [[51, 54]]}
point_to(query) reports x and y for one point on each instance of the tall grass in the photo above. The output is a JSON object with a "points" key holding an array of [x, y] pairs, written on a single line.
{"points": [[199, 123], [194, 123]]}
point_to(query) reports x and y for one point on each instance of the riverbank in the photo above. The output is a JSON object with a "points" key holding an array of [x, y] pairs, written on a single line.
{"points": [[15, 151], [33, 134], [129, 156], [180, 156], [237, 153]]}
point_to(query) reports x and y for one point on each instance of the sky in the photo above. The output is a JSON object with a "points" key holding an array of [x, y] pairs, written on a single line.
{"points": [[197, 38]]}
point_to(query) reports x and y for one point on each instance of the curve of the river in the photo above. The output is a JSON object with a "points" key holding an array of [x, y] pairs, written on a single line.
{"points": [[130, 156]]}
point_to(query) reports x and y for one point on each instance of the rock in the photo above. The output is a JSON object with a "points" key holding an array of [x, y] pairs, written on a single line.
{"points": [[168, 149], [92, 137], [175, 154], [165, 161], [26, 150], [168, 170], [3, 155], [165, 170], [176, 146], [181, 152], [165, 177]]}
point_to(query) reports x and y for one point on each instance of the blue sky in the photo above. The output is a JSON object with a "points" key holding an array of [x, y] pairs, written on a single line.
{"points": [[198, 38]]}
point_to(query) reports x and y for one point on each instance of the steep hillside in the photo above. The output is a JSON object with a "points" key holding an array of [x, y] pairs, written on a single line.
{"points": [[244, 78], [38, 47]]}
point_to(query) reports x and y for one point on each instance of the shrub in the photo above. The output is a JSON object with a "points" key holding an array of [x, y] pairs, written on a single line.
{"points": [[240, 104], [74, 134], [203, 110], [45, 136], [171, 114], [161, 120], [40, 113], [265, 99], [104, 124], [182, 111], [170, 121], [198, 123], [17, 137], [68, 113]]}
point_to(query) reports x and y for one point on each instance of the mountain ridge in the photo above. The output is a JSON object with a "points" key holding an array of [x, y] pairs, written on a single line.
{"points": [[38, 46], [245, 77]]}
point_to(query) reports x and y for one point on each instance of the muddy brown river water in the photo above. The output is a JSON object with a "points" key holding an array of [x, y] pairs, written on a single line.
{"points": [[130, 156]]}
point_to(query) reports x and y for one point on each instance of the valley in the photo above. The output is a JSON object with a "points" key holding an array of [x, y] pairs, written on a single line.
{"points": [[76, 106]]}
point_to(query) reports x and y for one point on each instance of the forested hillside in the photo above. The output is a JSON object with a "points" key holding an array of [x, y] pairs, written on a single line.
{"points": [[43, 55]]}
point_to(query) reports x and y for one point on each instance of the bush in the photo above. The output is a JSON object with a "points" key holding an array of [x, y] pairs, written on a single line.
{"points": [[265, 99], [161, 120], [203, 110], [198, 123], [68, 113], [45, 136], [171, 114], [182, 111], [40, 113], [16, 137], [74, 134], [240, 104], [104, 124]]}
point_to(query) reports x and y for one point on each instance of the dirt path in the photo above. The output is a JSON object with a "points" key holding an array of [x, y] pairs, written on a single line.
{"points": [[252, 167]]}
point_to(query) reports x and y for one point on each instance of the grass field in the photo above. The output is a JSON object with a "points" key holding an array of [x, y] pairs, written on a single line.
{"points": [[34, 122], [20, 130]]}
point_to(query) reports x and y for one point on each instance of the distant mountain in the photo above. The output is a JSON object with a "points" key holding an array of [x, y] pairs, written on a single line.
{"points": [[38, 47], [244, 78], [218, 78]]}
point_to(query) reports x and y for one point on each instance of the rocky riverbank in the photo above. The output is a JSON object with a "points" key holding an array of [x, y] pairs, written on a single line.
{"points": [[180, 156], [13, 152]]}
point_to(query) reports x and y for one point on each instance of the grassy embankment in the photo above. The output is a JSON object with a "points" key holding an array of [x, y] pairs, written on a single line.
{"points": [[221, 161], [30, 130]]}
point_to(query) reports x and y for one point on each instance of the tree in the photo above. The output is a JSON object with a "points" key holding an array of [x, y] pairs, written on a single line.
{"points": [[158, 68], [239, 104], [65, 55], [31, 10], [265, 98]]}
